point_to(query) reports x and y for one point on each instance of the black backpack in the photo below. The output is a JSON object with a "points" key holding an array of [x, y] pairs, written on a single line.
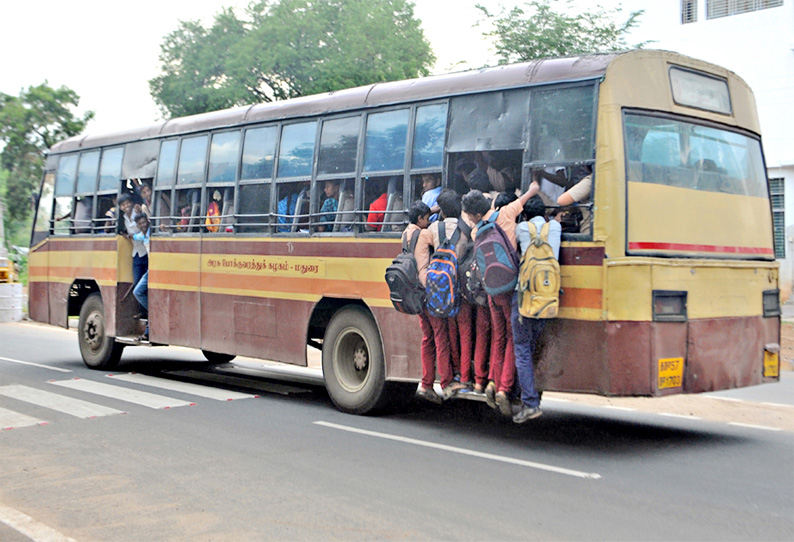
{"points": [[402, 276], [472, 289]]}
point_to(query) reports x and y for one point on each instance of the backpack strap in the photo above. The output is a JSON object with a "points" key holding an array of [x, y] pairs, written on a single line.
{"points": [[464, 228], [442, 232], [544, 231], [414, 240]]}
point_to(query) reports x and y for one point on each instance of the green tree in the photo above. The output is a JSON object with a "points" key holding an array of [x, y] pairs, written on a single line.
{"points": [[29, 124], [542, 29], [286, 48]]}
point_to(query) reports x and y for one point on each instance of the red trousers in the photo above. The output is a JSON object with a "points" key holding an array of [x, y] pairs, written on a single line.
{"points": [[482, 342], [460, 327], [435, 350], [503, 357]]}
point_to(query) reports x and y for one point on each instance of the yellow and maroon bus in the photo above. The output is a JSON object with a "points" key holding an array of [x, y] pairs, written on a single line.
{"points": [[669, 279]]}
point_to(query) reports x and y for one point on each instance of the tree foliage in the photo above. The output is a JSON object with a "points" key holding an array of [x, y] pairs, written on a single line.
{"points": [[29, 124], [542, 29], [286, 48]]}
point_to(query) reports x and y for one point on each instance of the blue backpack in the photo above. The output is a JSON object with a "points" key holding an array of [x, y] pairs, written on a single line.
{"points": [[442, 277], [496, 258]]}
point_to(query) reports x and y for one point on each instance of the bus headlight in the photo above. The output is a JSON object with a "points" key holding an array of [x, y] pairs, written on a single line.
{"points": [[771, 303], [669, 306]]}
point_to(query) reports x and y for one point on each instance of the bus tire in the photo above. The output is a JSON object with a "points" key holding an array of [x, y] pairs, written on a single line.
{"points": [[99, 351], [215, 357], [353, 364]]}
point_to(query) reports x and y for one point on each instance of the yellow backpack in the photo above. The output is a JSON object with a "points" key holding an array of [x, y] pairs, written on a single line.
{"points": [[539, 277]]}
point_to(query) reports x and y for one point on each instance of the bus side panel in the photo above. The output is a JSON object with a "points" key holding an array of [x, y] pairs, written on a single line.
{"points": [[669, 342], [573, 357], [718, 361], [629, 352], [402, 340], [38, 283]]}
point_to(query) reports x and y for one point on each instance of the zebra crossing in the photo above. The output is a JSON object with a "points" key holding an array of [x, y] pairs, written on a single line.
{"points": [[51, 400]]}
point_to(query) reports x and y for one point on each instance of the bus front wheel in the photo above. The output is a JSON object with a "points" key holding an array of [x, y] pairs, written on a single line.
{"points": [[99, 351], [353, 365], [217, 358]]}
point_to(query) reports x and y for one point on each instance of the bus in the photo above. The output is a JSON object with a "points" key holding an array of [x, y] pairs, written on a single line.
{"points": [[669, 278]]}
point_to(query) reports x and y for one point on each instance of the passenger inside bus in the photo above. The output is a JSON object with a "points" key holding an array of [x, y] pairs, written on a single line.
{"points": [[293, 206], [431, 188], [377, 206], [329, 206]]}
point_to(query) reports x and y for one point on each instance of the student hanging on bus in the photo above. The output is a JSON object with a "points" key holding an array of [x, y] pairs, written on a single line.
{"points": [[140, 256], [527, 331], [580, 192], [141, 289], [458, 326], [507, 208], [432, 342]]}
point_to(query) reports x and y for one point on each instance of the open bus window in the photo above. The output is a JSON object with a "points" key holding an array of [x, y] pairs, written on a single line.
{"points": [[82, 210], [383, 204], [219, 215], [345, 219], [327, 195], [187, 207], [486, 171], [292, 208], [253, 215], [106, 214]]}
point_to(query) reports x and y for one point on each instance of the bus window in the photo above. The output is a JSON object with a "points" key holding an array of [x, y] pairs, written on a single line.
{"points": [[224, 156], [338, 146], [190, 171], [87, 172], [259, 152], [345, 220], [254, 208], [109, 178], [64, 188], [292, 209], [382, 203], [297, 150], [385, 141], [489, 122], [428, 147], [41, 227], [163, 183]]}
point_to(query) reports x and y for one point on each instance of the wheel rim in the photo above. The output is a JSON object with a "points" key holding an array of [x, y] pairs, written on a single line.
{"points": [[94, 331], [351, 360]]}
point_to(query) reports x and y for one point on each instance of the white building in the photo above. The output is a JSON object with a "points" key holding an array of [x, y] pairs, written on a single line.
{"points": [[755, 39]]}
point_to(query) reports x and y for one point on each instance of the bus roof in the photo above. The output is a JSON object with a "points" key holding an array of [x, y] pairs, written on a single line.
{"points": [[379, 94]]}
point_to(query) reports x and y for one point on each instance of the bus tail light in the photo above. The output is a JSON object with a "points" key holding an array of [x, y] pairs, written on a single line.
{"points": [[669, 306], [771, 303]]}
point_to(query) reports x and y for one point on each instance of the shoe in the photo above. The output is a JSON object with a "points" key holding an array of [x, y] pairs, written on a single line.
{"points": [[503, 402], [453, 389], [527, 413], [478, 388], [429, 395], [490, 395]]}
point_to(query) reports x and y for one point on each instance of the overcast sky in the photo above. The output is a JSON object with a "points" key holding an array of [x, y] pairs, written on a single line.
{"points": [[107, 51]]}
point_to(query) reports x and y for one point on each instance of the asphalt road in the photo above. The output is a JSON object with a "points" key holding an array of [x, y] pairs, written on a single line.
{"points": [[232, 454]]}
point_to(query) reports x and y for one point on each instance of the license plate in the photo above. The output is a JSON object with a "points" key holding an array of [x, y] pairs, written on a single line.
{"points": [[671, 372], [771, 364]]}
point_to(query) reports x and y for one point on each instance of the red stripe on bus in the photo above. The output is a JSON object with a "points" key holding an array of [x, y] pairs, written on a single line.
{"points": [[700, 248]]}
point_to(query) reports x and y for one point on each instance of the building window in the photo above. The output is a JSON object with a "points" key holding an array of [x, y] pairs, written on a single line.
{"points": [[689, 11], [724, 8], [776, 189]]}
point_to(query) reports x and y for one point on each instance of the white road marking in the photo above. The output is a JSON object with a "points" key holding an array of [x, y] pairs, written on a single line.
{"points": [[679, 416], [22, 523], [39, 365], [11, 420], [778, 405], [751, 426], [622, 408], [54, 401], [463, 451], [143, 398], [184, 387]]}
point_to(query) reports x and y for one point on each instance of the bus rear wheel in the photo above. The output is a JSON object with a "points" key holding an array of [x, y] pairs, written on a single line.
{"points": [[99, 351], [353, 365]]}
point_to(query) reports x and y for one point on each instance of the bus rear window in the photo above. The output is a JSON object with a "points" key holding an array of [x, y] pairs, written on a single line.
{"points": [[686, 155]]}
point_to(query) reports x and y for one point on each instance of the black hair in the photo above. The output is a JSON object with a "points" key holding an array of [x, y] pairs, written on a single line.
{"points": [[417, 210], [534, 207], [475, 203], [449, 202], [124, 197], [139, 216], [504, 198]]}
